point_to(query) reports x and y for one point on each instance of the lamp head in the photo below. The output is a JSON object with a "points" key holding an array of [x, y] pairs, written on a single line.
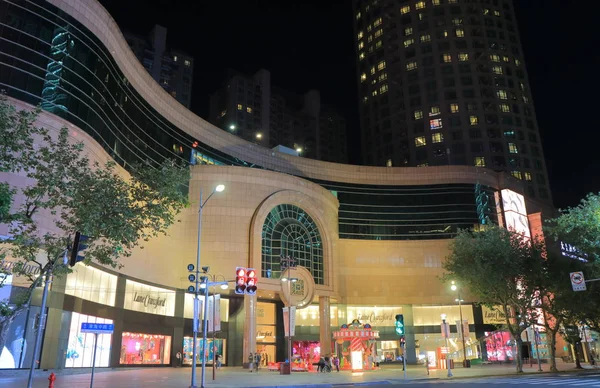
{"points": [[219, 188], [443, 316], [205, 269], [284, 279], [453, 287], [224, 286], [293, 280]]}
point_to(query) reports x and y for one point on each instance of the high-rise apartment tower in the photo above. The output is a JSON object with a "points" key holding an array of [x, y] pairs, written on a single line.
{"points": [[443, 82]]}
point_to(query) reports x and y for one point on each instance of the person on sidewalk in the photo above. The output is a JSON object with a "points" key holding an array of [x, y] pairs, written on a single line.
{"points": [[321, 365], [427, 365], [257, 361], [336, 363], [250, 361]]}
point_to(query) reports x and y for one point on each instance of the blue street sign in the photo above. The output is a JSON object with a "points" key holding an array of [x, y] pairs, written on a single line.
{"points": [[99, 328]]}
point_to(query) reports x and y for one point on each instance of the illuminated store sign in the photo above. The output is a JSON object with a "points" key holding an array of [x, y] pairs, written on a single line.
{"points": [[515, 212], [148, 299]]}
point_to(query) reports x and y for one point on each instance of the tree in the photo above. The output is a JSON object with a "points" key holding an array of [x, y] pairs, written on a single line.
{"points": [[579, 226], [117, 213], [496, 266]]}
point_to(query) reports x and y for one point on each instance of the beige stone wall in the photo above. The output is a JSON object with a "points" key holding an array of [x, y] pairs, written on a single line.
{"points": [[392, 273]]}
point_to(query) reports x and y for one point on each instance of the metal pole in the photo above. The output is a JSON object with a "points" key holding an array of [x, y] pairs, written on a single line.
{"points": [[41, 326], [447, 349], [462, 332], [585, 353], [530, 348], [213, 333], [404, 358], [290, 322], [205, 320], [94, 359], [196, 312], [536, 333]]}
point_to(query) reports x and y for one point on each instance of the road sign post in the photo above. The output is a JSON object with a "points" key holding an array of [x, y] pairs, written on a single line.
{"points": [[96, 328], [577, 281]]}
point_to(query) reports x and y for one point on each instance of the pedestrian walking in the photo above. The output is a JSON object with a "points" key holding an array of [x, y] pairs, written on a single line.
{"points": [[427, 365], [178, 356], [336, 363], [257, 359], [321, 365], [250, 361], [218, 361]]}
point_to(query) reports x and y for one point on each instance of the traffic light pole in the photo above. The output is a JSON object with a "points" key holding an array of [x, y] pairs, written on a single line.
{"points": [[196, 303], [204, 330], [462, 331]]}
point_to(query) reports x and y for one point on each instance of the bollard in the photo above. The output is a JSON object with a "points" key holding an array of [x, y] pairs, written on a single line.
{"points": [[51, 379]]}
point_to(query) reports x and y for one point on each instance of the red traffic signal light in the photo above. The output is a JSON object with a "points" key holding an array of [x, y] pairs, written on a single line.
{"points": [[251, 281], [240, 280]]}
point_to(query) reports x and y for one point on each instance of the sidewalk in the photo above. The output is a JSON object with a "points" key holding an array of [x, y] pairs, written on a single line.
{"points": [[238, 377]]}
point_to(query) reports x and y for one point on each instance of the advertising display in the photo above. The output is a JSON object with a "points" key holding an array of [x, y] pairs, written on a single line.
{"points": [[218, 346], [81, 345], [499, 346], [145, 349], [18, 347], [515, 212]]}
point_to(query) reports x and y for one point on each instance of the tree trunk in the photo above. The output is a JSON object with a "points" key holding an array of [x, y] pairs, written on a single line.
{"points": [[552, 336], [518, 355]]}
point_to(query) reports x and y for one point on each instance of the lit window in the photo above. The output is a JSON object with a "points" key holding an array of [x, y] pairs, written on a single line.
{"points": [[447, 58], [408, 31], [462, 57], [365, 99], [479, 161], [460, 33], [381, 66], [425, 38], [187, 63], [420, 141], [435, 2], [363, 77], [525, 99], [360, 35], [223, 112], [361, 56], [474, 120], [486, 11], [361, 45], [239, 106], [420, 5], [358, 15], [517, 62], [445, 33], [248, 109], [382, 77], [528, 176], [408, 42], [418, 114], [437, 138], [512, 148], [175, 58], [372, 70], [501, 94], [505, 108], [496, 13], [378, 44], [378, 33], [411, 65], [494, 57], [516, 174], [405, 9], [454, 108], [497, 69], [434, 111], [377, 22], [383, 89], [505, 59], [435, 124], [374, 93], [373, 81]]}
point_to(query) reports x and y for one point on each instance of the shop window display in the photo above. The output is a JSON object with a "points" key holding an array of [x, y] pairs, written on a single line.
{"points": [[81, 345], [499, 346], [144, 349], [218, 347]]}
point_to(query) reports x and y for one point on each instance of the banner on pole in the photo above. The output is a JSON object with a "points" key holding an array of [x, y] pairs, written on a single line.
{"points": [[214, 313], [286, 323]]}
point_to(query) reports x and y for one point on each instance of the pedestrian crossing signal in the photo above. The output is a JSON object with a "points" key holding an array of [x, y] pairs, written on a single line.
{"points": [[399, 327], [240, 280]]}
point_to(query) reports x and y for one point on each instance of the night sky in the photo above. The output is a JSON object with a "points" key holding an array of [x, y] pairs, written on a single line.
{"points": [[309, 44]]}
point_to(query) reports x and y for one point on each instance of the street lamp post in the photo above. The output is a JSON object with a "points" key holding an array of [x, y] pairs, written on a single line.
{"points": [[217, 189], [223, 286], [446, 333], [289, 263], [454, 287]]}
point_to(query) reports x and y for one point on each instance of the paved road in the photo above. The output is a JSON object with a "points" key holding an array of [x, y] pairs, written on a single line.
{"points": [[559, 380]]}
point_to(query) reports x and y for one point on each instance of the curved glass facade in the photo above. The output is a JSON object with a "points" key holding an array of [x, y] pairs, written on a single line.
{"points": [[49, 58]]}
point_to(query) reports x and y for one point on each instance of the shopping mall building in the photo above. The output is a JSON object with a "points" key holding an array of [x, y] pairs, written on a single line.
{"points": [[369, 241]]}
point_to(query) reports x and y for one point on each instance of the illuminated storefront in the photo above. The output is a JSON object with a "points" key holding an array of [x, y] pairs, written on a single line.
{"points": [[216, 348], [81, 345], [145, 349]]}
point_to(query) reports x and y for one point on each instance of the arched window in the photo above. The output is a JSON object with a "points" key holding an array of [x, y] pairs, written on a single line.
{"points": [[289, 231]]}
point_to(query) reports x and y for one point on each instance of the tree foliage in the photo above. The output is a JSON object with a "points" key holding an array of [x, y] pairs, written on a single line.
{"points": [[66, 193], [496, 266]]}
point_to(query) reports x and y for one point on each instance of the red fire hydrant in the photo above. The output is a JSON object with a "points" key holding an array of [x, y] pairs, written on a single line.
{"points": [[51, 379]]}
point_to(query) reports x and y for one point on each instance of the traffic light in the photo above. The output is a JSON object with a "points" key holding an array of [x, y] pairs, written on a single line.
{"points": [[251, 281], [192, 278], [240, 280], [78, 245], [400, 325]]}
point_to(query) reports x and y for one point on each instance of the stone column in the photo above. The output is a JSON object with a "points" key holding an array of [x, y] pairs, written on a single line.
{"points": [[410, 350], [250, 305], [325, 325]]}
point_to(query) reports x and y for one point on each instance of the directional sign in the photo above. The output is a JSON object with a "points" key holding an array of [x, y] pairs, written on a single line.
{"points": [[577, 281], [99, 328]]}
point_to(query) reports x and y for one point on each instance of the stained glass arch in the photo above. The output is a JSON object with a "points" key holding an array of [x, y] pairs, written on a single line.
{"points": [[289, 231]]}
